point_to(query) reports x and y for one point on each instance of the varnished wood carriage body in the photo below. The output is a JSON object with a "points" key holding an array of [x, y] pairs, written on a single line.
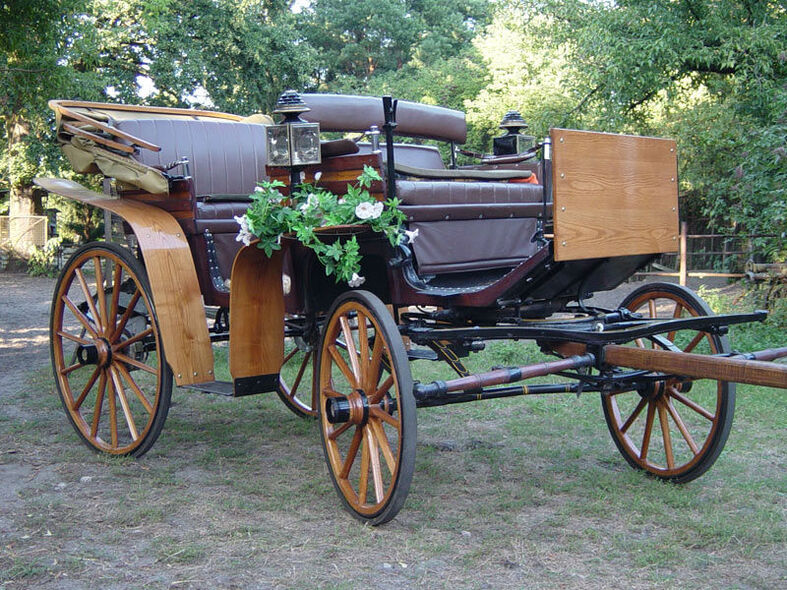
{"points": [[510, 248]]}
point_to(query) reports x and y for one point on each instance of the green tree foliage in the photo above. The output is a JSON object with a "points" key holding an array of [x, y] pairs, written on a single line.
{"points": [[527, 71], [358, 40], [710, 72]]}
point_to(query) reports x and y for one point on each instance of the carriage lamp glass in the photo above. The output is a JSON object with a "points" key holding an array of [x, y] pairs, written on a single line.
{"points": [[294, 142], [278, 145], [305, 143]]}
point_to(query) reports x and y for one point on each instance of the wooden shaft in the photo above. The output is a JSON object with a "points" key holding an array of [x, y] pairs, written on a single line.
{"points": [[501, 376], [699, 366]]}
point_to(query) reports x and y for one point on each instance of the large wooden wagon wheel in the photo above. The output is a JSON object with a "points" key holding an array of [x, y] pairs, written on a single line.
{"points": [[366, 407], [107, 355], [675, 428]]}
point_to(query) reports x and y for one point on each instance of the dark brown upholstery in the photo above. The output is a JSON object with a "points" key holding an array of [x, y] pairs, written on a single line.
{"points": [[336, 112], [226, 157], [422, 192], [467, 226], [423, 156]]}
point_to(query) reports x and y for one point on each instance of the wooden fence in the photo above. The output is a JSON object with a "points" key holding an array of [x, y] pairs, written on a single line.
{"points": [[705, 255]]}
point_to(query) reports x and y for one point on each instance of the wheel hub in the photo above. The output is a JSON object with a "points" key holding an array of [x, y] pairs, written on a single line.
{"points": [[99, 353], [354, 408]]}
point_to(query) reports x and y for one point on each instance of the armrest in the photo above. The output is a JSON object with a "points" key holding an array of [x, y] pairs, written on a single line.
{"points": [[462, 174], [338, 147]]}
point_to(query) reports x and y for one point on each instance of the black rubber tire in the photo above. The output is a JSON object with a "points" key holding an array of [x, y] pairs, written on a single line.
{"points": [[131, 280], [693, 461], [353, 305]]}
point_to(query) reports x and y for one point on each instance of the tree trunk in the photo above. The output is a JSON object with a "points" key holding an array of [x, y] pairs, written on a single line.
{"points": [[24, 229]]}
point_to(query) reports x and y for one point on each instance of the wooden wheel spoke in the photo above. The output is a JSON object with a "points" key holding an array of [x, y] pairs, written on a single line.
{"points": [[102, 387], [691, 404], [648, 429], [299, 376], [73, 338], [652, 307], [70, 369], [135, 338], [376, 364], [121, 325], [352, 353], [695, 341], [113, 419], [328, 392], [665, 435], [113, 307], [363, 352], [135, 363], [377, 472], [100, 295], [363, 480], [134, 387], [88, 297], [382, 390], [337, 432], [86, 390], [385, 446], [80, 316], [380, 414], [121, 393], [289, 355], [355, 443], [342, 364], [681, 426], [640, 406]]}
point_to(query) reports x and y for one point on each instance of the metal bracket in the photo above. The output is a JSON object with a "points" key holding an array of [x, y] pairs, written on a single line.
{"points": [[213, 264]]}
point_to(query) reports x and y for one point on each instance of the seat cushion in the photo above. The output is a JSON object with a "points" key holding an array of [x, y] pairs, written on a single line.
{"points": [[470, 226]]}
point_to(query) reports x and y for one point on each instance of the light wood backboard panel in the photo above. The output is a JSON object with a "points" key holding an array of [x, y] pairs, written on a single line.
{"points": [[172, 276], [614, 195], [256, 314]]}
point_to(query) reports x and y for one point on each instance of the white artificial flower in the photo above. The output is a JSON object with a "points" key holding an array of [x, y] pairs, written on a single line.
{"points": [[303, 176], [364, 210], [244, 235], [369, 210], [411, 235], [356, 280], [259, 189], [317, 176]]}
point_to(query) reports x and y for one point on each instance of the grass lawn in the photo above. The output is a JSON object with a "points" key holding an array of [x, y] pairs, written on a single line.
{"points": [[518, 493]]}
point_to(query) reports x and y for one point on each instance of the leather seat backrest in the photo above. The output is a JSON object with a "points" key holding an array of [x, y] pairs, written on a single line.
{"points": [[335, 112], [225, 157], [421, 156]]}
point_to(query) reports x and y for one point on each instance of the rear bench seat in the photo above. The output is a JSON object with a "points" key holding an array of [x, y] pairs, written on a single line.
{"points": [[462, 225]]}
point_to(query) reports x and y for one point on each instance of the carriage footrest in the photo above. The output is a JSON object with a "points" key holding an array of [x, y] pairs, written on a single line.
{"points": [[421, 354], [217, 387]]}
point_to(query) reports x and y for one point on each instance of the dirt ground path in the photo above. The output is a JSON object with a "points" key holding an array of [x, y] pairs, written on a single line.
{"points": [[24, 320]]}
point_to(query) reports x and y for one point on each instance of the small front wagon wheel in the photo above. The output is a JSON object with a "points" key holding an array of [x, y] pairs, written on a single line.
{"points": [[674, 428], [107, 355], [366, 407]]}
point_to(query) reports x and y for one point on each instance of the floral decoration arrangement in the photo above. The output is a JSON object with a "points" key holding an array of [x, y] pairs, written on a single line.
{"points": [[310, 207]]}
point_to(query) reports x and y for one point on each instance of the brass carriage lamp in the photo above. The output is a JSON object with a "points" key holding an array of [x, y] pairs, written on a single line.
{"points": [[293, 143], [513, 142]]}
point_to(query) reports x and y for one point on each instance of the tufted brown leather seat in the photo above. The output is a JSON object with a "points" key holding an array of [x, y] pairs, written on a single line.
{"points": [[226, 158]]}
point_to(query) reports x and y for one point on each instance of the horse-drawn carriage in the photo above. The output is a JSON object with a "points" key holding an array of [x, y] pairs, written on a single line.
{"points": [[509, 248]]}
